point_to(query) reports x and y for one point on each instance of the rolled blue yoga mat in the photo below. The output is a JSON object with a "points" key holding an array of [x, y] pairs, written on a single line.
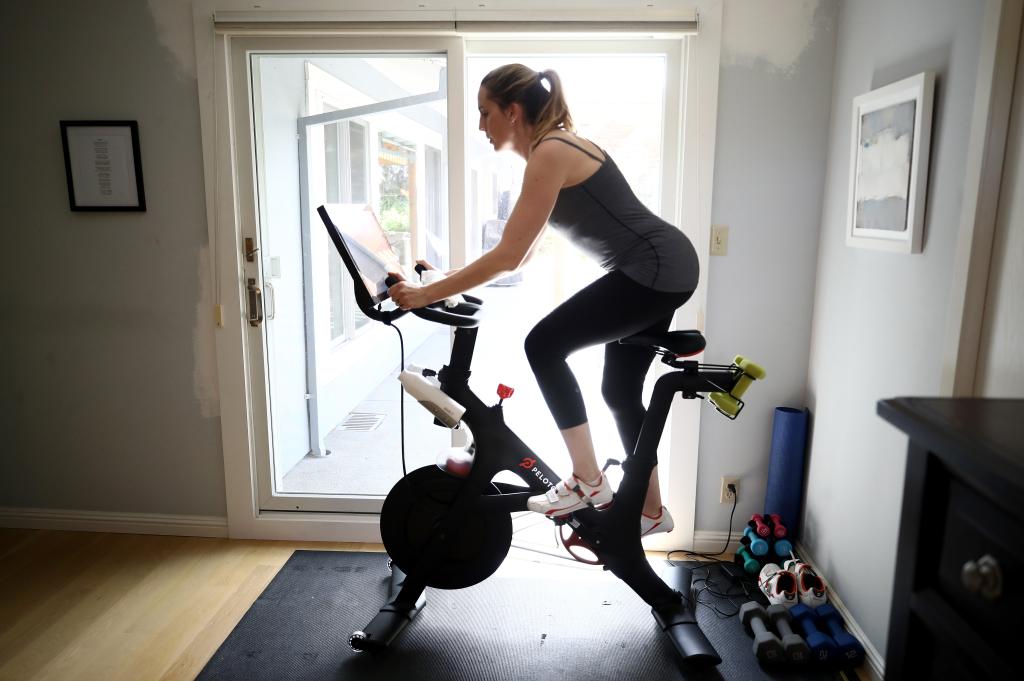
{"points": [[786, 467]]}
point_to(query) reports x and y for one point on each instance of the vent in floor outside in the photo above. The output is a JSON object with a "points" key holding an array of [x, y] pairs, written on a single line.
{"points": [[361, 422]]}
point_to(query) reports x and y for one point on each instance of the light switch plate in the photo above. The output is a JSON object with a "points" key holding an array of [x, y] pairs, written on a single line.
{"points": [[719, 239]]}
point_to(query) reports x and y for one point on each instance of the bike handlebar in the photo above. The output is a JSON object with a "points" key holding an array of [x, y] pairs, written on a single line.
{"points": [[461, 315]]}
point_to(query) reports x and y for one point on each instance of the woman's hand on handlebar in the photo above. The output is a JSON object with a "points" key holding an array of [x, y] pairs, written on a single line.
{"points": [[407, 295]]}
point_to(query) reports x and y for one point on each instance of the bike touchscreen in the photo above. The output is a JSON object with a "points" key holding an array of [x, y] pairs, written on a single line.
{"points": [[366, 243]]}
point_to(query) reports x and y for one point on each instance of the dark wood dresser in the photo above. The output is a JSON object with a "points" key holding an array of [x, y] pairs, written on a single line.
{"points": [[958, 598]]}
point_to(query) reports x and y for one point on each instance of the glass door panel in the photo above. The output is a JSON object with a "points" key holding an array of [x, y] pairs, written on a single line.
{"points": [[372, 133]]}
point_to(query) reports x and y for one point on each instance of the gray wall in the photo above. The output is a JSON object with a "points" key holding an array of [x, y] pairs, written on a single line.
{"points": [[879, 317], [773, 110], [106, 349]]}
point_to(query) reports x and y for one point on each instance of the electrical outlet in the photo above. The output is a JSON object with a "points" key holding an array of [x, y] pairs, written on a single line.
{"points": [[727, 496]]}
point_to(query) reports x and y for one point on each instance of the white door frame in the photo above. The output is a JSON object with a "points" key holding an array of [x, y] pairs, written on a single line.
{"points": [[983, 174], [228, 179]]}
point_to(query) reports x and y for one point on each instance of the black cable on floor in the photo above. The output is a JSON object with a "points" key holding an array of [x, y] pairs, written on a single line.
{"points": [[401, 394], [737, 585]]}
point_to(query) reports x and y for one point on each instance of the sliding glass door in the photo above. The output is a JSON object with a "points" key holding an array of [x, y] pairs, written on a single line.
{"points": [[388, 125]]}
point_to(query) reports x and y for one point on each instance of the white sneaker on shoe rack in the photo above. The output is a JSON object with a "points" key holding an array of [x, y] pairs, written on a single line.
{"points": [[778, 585], [809, 586]]}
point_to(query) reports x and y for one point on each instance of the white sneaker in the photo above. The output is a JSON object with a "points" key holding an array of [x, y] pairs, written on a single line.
{"points": [[809, 586], [778, 585], [656, 524], [571, 495]]}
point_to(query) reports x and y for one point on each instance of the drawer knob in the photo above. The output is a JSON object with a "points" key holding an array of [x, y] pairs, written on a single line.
{"points": [[983, 577]]}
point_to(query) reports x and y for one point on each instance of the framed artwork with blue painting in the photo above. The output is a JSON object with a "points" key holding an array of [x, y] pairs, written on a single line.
{"points": [[889, 165]]}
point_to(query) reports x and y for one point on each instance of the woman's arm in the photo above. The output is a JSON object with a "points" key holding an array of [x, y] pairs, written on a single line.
{"points": [[544, 176]]}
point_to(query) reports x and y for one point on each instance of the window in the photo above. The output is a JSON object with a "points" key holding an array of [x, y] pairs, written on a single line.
{"points": [[346, 180]]}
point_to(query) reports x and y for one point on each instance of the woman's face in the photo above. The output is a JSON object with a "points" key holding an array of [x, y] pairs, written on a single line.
{"points": [[494, 122]]}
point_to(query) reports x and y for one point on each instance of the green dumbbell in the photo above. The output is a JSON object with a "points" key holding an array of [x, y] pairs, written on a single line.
{"points": [[729, 402], [751, 372], [750, 563]]}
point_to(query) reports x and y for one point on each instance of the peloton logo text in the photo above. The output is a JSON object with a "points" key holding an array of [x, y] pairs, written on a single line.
{"points": [[531, 464]]}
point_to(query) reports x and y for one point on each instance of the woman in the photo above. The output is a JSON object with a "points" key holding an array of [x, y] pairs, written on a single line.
{"points": [[571, 184]]}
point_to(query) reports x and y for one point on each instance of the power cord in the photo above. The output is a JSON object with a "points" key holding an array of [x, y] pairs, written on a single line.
{"points": [[728, 540], [736, 585], [401, 394]]}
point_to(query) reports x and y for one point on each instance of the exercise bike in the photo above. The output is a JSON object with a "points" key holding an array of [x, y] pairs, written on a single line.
{"points": [[449, 526]]}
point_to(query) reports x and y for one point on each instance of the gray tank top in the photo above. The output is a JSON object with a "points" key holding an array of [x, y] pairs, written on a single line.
{"points": [[603, 217]]}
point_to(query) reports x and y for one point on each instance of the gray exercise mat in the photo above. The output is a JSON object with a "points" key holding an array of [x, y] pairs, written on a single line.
{"points": [[531, 620]]}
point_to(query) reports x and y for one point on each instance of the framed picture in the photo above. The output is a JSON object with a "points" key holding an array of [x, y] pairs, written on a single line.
{"points": [[104, 165], [889, 165]]}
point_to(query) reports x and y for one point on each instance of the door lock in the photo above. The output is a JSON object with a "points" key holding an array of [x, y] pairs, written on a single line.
{"points": [[250, 249], [255, 303]]}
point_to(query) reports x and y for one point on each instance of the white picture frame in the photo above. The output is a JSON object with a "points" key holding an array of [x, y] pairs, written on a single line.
{"points": [[890, 141]]}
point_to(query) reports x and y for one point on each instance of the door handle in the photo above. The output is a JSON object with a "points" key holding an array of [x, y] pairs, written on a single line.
{"points": [[273, 302], [255, 304]]}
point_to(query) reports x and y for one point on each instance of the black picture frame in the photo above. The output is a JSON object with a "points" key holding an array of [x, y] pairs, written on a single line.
{"points": [[103, 163]]}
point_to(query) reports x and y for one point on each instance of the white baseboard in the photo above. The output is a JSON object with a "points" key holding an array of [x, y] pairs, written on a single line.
{"points": [[712, 541], [874, 664], [104, 521]]}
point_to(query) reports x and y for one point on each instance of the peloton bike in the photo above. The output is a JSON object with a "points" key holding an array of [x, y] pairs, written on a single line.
{"points": [[448, 526]]}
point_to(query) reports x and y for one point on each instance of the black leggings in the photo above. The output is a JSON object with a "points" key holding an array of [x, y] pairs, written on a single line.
{"points": [[610, 308]]}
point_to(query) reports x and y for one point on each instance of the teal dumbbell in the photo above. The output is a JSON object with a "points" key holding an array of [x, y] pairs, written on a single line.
{"points": [[758, 546], [750, 563], [783, 547], [848, 648]]}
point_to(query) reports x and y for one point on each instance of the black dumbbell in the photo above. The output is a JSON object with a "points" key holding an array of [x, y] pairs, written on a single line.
{"points": [[767, 646], [793, 644], [823, 648], [848, 647]]}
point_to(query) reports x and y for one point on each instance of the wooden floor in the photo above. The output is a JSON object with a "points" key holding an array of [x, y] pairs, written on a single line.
{"points": [[81, 606], [77, 606]]}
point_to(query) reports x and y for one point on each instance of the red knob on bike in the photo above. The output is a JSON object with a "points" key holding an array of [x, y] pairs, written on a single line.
{"points": [[505, 392]]}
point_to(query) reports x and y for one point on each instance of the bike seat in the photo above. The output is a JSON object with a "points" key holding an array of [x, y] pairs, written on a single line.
{"points": [[679, 343]]}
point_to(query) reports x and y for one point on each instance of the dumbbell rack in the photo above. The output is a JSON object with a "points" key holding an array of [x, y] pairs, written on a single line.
{"points": [[774, 540]]}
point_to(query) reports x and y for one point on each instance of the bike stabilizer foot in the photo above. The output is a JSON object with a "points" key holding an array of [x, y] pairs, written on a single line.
{"points": [[393, 617], [681, 627], [679, 621]]}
